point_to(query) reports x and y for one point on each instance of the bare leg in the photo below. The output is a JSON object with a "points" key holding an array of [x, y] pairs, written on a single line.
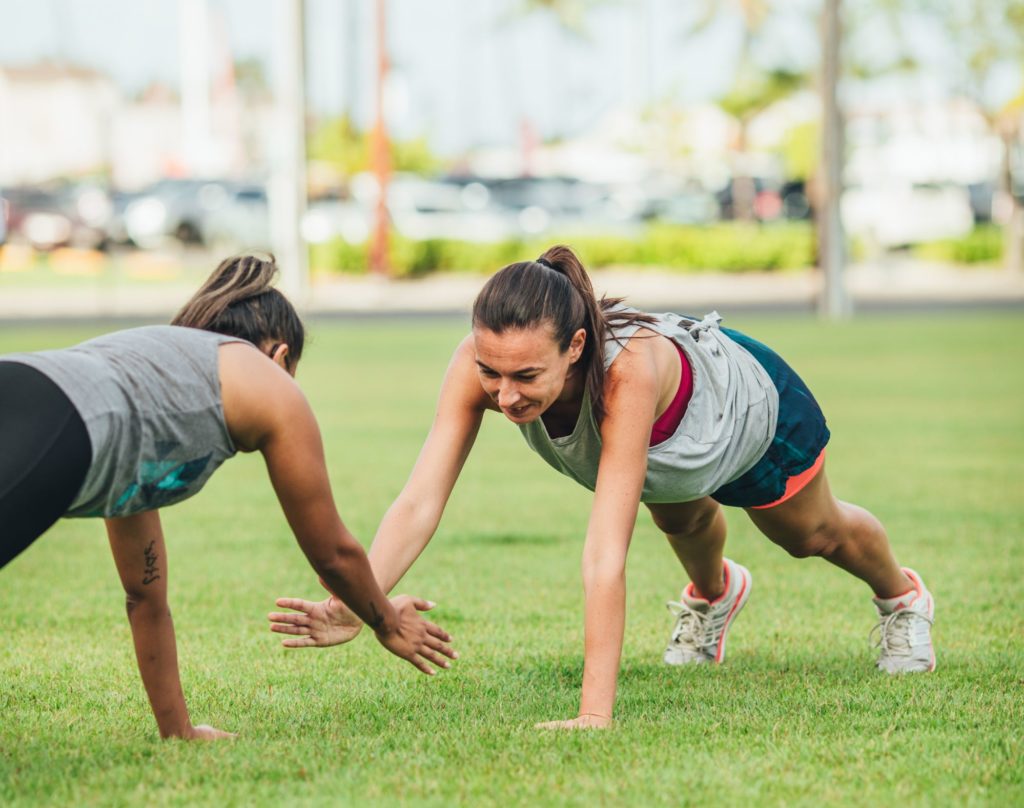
{"points": [[815, 523], [696, 531]]}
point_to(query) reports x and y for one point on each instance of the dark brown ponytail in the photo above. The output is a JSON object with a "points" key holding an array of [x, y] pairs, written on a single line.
{"points": [[238, 300], [555, 289]]}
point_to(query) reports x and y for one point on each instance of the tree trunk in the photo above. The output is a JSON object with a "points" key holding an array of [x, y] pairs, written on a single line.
{"points": [[1013, 227]]}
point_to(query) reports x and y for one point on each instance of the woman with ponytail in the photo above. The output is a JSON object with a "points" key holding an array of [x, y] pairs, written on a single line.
{"points": [[130, 422], [672, 412]]}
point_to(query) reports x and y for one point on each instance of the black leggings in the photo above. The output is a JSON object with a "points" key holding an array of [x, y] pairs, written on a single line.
{"points": [[44, 456]]}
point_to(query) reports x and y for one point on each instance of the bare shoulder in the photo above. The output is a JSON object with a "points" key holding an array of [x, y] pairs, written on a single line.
{"points": [[462, 381], [647, 365], [257, 395], [639, 357]]}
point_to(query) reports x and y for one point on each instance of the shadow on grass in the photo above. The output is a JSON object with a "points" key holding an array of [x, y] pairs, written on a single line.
{"points": [[505, 539]]}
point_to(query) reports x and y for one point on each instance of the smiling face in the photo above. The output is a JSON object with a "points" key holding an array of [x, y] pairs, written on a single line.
{"points": [[524, 371]]}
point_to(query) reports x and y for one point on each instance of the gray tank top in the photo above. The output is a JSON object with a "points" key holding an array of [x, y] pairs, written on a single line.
{"points": [[728, 424], [150, 399]]}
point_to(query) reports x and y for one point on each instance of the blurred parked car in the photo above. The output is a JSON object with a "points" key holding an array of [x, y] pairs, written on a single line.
{"points": [[241, 223], [902, 214], [47, 217], [332, 216], [175, 209], [686, 204]]}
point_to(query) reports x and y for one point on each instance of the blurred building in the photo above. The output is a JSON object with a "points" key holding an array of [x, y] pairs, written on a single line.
{"points": [[64, 121], [56, 122]]}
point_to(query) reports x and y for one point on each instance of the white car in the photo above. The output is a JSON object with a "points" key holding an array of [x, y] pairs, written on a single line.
{"points": [[900, 214]]}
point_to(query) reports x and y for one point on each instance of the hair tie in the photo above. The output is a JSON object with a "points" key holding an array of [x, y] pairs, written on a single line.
{"points": [[544, 262]]}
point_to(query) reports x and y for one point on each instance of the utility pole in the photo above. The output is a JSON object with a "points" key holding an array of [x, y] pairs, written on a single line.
{"points": [[834, 302], [194, 64], [380, 263], [287, 191]]}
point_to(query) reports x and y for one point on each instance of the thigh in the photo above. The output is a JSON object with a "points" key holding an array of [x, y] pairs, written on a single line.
{"points": [[683, 517], [806, 513]]}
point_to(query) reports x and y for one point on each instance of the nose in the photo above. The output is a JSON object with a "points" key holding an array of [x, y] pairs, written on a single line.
{"points": [[508, 394]]}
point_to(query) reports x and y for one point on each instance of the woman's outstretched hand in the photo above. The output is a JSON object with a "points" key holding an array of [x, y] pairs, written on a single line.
{"points": [[416, 640], [315, 624], [584, 721], [318, 624]]}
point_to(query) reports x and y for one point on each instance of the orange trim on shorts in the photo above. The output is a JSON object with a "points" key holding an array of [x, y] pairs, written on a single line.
{"points": [[796, 484]]}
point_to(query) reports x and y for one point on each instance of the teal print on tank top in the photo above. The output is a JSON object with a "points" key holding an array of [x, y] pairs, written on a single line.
{"points": [[162, 482]]}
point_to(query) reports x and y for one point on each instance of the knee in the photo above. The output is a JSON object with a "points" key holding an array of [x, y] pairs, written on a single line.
{"points": [[820, 539], [686, 525]]}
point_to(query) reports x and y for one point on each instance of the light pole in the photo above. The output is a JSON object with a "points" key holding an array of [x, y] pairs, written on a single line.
{"points": [[834, 302], [380, 263], [287, 191]]}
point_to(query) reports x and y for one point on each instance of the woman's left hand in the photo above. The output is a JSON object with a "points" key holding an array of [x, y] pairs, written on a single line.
{"points": [[584, 721]]}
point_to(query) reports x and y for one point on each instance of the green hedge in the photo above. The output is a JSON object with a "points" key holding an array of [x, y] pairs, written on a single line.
{"points": [[728, 247], [984, 244]]}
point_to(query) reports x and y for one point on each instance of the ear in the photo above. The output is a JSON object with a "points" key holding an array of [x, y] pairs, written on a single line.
{"points": [[280, 356], [579, 341]]}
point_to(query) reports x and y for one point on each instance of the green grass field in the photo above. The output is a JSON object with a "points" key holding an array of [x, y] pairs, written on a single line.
{"points": [[927, 414]]}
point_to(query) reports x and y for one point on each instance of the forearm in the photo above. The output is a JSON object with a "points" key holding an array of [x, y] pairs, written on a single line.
{"points": [[347, 573], [403, 534], [157, 655], [604, 626]]}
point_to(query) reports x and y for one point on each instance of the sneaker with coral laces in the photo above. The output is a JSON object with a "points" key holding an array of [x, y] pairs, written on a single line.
{"points": [[702, 626], [905, 629]]}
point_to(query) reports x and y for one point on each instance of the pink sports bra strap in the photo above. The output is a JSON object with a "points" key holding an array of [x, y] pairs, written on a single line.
{"points": [[668, 422]]}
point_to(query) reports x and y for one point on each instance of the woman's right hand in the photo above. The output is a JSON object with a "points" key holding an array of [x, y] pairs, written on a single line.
{"points": [[315, 623], [204, 732], [416, 640]]}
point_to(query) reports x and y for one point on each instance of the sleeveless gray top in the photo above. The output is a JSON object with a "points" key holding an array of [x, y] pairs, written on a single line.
{"points": [[150, 399], [728, 424]]}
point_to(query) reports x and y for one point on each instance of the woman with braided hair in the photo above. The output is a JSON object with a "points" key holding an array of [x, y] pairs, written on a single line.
{"points": [[672, 412], [131, 422]]}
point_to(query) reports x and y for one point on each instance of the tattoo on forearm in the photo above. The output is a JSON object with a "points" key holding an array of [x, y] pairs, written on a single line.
{"points": [[378, 618], [152, 572]]}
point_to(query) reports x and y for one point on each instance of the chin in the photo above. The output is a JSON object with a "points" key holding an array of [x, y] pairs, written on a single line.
{"points": [[527, 417]]}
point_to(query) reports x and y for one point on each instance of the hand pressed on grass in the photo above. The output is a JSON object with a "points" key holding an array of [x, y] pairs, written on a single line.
{"points": [[582, 721], [204, 732]]}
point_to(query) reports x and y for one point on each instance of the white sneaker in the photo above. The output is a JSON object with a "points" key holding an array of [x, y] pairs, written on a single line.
{"points": [[905, 629], [701, 626]]}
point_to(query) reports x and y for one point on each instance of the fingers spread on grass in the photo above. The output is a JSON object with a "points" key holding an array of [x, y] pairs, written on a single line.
{"points": [[286, 629], [423, 666], [423, 605], [298, 604], [290, 618], [301, 642], [585, 721], [436, 631], [437, 659], [447, 650]]}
